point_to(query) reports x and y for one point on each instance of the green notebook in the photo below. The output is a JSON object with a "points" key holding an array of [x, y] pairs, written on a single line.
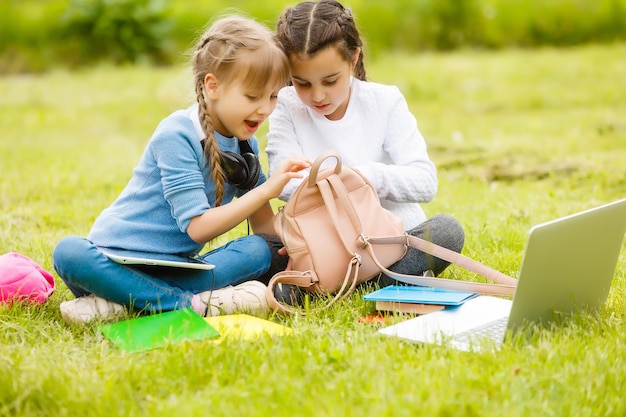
{"points": [[158, 330]]}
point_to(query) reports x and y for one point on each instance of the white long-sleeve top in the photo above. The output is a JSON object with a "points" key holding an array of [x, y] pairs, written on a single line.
{"points": [[378, 135]]}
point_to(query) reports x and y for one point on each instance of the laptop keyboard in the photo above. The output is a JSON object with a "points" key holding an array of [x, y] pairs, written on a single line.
{"points": [[494, 330]]}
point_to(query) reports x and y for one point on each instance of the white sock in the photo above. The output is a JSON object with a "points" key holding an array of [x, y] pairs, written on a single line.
{"points": [[198, 305]]}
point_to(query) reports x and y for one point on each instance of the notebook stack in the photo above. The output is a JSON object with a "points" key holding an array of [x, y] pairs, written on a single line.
{"points": [[415, 299]]}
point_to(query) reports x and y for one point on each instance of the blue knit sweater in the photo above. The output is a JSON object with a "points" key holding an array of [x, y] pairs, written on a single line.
{"points": [[169, 187]]}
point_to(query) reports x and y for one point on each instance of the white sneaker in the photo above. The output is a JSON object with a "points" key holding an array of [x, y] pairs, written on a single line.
{"points": [[246, 297], [87, 308]]}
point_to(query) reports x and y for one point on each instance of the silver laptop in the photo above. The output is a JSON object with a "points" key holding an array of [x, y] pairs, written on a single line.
{"points": [[568, 265], [154, 259]]}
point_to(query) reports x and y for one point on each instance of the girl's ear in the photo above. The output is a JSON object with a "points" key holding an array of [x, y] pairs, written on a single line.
{"points": [[355, 57], [211, 86]]}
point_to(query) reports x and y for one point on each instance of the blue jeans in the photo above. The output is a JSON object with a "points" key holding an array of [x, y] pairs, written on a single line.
{"points": [[86, 270]]}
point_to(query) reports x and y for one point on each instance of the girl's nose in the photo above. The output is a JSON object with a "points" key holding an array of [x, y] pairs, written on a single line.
{"points": [[265, 107], [317, 94]]}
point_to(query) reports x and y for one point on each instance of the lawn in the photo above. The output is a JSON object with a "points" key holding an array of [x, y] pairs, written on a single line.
{"points": [[519, 136]]}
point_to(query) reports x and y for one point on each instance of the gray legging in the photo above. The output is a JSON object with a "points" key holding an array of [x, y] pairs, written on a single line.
{"points": [[442, 229]]}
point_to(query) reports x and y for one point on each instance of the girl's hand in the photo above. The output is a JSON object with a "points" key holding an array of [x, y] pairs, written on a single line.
{"points": [[287, 170], [253, 205]]}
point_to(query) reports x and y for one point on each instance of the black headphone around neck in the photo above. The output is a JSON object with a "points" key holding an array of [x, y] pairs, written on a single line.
{"points": [[242, 169]]}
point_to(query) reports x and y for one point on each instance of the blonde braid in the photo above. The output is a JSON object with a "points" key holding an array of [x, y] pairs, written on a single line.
{"points": [[211, 149]]}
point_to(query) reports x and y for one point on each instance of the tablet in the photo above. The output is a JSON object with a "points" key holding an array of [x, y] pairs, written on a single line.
{"points": [[156, 259]]}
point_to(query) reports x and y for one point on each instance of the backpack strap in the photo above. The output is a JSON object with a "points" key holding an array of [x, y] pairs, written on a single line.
{"points": [[307, 279], [505, 287]]}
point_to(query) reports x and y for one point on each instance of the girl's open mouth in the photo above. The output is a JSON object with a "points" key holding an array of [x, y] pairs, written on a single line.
{"points": [[252, 126]]}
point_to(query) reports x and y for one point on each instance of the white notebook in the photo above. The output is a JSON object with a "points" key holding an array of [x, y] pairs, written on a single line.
{"points": [[155, 259]]}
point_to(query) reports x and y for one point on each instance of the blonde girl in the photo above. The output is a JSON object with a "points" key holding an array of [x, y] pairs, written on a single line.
{"points": [[198, 178]]}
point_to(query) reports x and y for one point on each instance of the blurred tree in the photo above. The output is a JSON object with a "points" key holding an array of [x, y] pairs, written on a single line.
{"points": [[120, 30]]}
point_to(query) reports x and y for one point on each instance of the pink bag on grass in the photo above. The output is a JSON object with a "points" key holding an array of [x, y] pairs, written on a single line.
{"points": [[22, 279]]}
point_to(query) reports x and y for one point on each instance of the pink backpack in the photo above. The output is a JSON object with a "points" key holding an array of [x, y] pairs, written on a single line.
{"points": [[21, 278]]}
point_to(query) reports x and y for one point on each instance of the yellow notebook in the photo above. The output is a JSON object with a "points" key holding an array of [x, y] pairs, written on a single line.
{"points": [[244, 326]]}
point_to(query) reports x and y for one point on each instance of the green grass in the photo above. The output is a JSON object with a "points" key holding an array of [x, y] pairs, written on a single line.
{"points": [[520, 137]]}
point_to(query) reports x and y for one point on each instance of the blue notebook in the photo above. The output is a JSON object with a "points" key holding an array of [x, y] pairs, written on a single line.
{"points": [[420, 295]]}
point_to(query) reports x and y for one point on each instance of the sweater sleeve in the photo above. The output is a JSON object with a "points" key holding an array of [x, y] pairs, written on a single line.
{"points": [[182, 179], [282, 140], [409, 175]]}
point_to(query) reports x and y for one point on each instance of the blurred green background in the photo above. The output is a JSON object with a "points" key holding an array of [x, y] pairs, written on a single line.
{"points": [[38, 35]]}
